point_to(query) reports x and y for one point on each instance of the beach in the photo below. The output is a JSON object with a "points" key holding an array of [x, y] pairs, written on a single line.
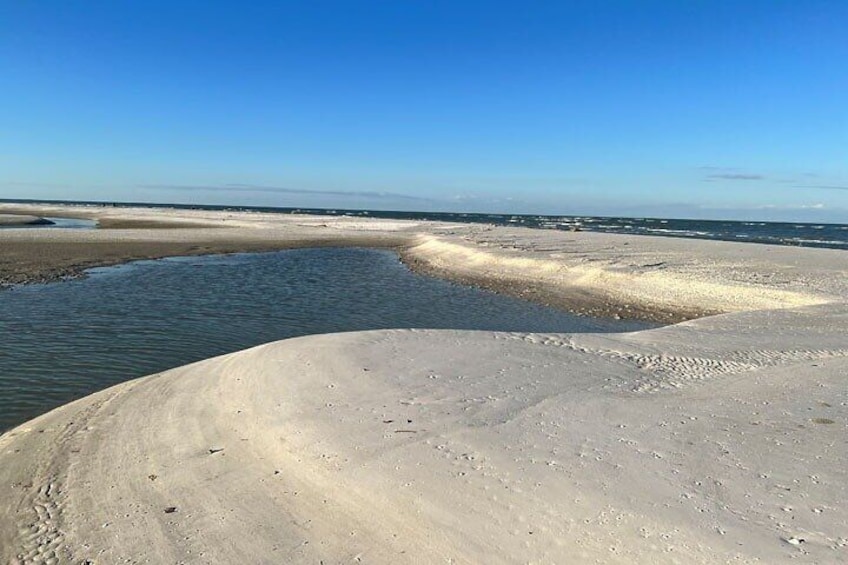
{"points": [[719, 438]]}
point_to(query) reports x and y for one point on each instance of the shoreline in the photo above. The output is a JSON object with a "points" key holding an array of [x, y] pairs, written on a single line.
{"points": [[719, 439], [579, 301], [574, 272], [57, 261]]}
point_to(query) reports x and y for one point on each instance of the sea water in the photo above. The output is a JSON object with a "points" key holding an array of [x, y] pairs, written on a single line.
{"points": [[62, 341]]}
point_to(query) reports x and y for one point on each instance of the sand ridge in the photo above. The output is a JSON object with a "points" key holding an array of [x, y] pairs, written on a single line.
{"points": [[648, 290]]}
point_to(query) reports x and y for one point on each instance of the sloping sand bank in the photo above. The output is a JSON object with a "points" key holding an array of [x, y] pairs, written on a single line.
{"points": [[695, 443], [642, 277]]}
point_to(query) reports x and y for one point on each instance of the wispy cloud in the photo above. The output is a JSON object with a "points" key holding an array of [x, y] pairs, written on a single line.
{"points": [[735, 176], [823, 186], [798, 180], [282, 190], [715, 168], [728, 173], [24, 184], [817, 206]]}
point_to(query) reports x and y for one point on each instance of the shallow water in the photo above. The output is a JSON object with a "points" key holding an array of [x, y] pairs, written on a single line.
{"points": [[62, 341], [72, 223], [61, 223]]}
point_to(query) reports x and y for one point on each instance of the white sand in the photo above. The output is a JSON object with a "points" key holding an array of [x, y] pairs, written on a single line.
{"points": [[721, 439]]}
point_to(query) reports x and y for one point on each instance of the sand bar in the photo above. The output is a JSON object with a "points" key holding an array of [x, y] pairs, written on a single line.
{"points": [[720, 439]]}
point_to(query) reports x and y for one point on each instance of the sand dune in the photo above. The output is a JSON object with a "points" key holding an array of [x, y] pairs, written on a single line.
{"points": [[721, 439]]}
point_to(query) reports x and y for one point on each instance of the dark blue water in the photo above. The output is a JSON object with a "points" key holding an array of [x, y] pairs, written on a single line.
{"points": [[62, 341], [834, 236], [65, 223]]}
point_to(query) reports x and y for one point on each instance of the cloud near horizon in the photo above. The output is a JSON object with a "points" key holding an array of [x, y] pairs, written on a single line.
{"points": [[735, 176], [823, 186], [283, 190]]}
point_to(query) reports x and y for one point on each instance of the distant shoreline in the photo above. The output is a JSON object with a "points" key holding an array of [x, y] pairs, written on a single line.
{"points": [[827, 235]]}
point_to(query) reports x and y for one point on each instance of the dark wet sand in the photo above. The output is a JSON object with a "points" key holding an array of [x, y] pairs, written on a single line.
{"points": [[26, 262]]}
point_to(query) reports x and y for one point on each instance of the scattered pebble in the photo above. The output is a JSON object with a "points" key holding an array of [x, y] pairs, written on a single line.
{"points": [[823, 421]]}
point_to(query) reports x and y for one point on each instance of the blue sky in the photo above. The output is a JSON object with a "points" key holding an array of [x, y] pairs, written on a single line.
{"points": [[684, 108]]}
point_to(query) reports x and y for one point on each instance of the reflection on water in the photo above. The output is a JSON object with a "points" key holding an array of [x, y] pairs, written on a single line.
{"points": [[73, 223], [63, 223], [64, 340]]}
